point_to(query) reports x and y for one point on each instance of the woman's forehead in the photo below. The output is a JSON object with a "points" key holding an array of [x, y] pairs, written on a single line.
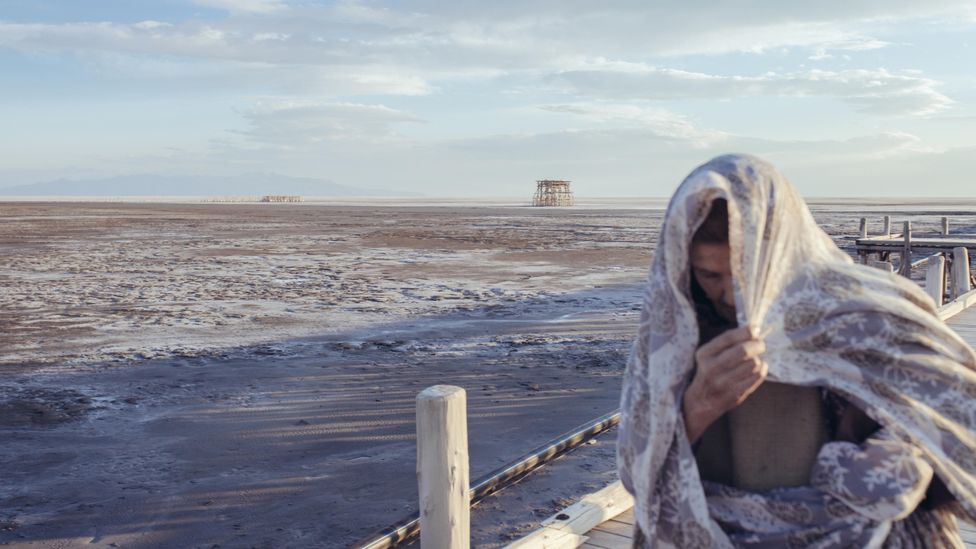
{"points": [[710, 255]]}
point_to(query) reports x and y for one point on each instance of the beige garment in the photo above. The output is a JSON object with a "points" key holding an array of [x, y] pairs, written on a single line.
{"points": [[769, 441]]}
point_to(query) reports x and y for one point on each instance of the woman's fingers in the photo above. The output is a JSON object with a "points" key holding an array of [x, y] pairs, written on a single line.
{"points": [[728, 370], [724, 341], [738, 353], [748, 382], [724, 379]]}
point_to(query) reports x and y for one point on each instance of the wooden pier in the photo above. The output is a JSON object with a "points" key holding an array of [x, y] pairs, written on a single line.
{"points": [[914, 250]]}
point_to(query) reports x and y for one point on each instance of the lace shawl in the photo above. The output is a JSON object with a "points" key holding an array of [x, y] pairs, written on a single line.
{"points": [[869, 336]]}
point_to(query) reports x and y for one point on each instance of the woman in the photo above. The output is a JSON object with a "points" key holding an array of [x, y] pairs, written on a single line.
{"points": [[779, 395]]}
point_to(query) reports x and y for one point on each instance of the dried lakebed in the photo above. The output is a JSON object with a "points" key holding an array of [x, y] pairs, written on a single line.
{"points": [[243, 375]]}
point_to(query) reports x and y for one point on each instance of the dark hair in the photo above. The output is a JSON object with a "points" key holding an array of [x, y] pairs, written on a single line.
{"points": [[715, 228]]}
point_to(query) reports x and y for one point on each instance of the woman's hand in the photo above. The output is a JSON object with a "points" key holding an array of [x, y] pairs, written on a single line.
{"points": [[728, 370]]}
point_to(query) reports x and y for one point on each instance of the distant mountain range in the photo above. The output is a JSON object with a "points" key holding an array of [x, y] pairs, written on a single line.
{"points": [[255, 184]]}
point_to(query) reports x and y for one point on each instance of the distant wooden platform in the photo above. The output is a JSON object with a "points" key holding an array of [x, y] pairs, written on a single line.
{"points": [[569, 529]]}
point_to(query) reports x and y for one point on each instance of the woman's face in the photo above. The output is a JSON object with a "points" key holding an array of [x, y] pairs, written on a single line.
{"points": [[712, 270]]}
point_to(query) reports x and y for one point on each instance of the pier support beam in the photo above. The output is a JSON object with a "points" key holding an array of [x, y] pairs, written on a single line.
{"points": [[960, 272], [906, 251], [935, 279], [883, 265], [442, 468], [863, 231], [945, 226], [887, 225]]}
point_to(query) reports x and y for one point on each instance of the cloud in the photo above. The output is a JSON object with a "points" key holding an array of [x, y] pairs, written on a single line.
{"points": [[876, 91], [660, 122], [437, 38], [248, 6], [299, 124]]}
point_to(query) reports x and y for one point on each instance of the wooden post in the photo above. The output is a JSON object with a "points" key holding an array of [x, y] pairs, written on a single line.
{"points": [[442, 468], [906, 251], [863, 231], [887, 225], [945, 226], [935, 279], [883, 265], [960, 271]]}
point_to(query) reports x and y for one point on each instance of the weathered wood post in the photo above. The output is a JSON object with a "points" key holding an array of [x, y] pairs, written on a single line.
{"points": [[442, 468], [906, 251], [960, 271], [945, 226], [883, 265], [887, 225], [935, 279], [863, 231]]}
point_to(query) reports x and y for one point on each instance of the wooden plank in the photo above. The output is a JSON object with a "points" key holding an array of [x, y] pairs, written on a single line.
{"points": [[609, 541], [896, 240], [614, 527], [958, 305], [579, 518], [627, 517]]}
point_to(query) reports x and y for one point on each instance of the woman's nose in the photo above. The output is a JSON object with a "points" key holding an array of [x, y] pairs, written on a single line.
{"points": [[728, 296]]}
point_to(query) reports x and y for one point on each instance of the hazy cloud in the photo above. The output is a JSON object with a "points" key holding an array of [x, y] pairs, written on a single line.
{"points": [[436, 38], [250, 6], [660, 122], [876, 91], [293, 124]]}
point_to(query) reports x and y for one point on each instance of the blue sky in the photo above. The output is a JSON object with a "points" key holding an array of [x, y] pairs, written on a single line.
{"points": [[852, 98]]}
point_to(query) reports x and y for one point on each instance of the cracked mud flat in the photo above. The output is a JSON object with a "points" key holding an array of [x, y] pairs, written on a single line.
{"points": [[243, 376]]}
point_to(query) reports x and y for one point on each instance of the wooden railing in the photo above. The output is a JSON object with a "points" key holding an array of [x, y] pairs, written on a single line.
{"points": [[948, 276]]}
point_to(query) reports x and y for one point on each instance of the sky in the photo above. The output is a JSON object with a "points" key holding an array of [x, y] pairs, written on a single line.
{"points": [[481, 98]]}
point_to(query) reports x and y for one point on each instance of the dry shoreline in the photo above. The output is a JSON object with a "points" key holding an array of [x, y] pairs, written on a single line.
{"points": [[190, 375]]}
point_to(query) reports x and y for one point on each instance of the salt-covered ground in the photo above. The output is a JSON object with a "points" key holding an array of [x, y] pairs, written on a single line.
{"points": [[102, 282], [199, 375]]}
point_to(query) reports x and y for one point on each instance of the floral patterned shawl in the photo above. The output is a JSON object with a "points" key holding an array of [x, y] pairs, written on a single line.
{"points": [[867, 335]]}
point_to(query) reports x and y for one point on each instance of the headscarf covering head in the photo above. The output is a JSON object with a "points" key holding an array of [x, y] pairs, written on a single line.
{"points": [[868, 335]]}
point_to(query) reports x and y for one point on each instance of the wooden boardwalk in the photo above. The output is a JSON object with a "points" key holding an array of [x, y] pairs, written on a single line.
{"points": [[964, 323], [616, 533]]}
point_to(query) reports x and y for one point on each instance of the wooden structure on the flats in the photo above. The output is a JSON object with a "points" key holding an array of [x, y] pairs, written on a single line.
{"points": [[281, 198], [552, 192], [946, 257]]}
